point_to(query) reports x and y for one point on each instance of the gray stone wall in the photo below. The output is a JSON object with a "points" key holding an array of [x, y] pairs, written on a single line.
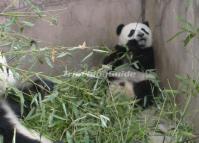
{"points": [[172, 58], [92, 21]]}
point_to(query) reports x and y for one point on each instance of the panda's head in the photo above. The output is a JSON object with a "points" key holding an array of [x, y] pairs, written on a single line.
{"points": [[137, 32], [135, 84], [123, 87]]}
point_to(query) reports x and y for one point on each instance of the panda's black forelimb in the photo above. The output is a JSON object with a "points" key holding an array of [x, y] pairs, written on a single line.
{"points": [[115, 59], [144, 56], [145, 92], [7, 128], [42, 86]]}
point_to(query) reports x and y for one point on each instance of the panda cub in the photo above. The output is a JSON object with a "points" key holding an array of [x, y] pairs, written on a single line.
{"points": [[135, 40], [134, 54], [10, 127]]}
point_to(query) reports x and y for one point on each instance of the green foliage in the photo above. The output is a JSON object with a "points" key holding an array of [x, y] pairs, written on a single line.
{"points": [[191, 31], [82, 109]]}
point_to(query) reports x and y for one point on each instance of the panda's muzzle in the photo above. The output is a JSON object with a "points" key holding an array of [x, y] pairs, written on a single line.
{"points": [[142, 39], [140, 35]]}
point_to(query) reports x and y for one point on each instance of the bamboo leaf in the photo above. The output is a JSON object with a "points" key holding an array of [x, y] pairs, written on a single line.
{"points": [[63, 54], [48, 61], [69, 137], [27, 23], [176, 35], [87, 57]]}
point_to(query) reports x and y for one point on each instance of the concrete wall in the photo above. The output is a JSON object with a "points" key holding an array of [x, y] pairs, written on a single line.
{"points": [[172, 58], [92, 21]]}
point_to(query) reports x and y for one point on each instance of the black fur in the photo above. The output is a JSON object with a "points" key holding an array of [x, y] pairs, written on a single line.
{"points": [[146, 23], [144, 57], [42, 86], [119, 29], [116, 58], [7, 130], [145, 92]]}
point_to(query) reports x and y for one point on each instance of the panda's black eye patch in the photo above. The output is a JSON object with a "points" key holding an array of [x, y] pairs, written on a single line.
{"points": [[145, 31], [131, 33]]}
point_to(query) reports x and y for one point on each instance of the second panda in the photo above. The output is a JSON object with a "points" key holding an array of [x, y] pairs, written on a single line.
{"points": [[10, 127]]}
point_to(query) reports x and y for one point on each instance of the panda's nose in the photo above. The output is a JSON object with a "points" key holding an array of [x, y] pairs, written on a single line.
{"points": [[140, 35]]}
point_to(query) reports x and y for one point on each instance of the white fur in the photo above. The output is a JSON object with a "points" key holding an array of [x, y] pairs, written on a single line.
{"points": [[123, 37], [127, 89], [11, 117], [128, 82], [6, 77], [128, 76]]}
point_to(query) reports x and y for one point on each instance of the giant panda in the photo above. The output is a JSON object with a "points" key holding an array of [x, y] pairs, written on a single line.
{"points": [[10, 127], [135, 40], [134, 50]]}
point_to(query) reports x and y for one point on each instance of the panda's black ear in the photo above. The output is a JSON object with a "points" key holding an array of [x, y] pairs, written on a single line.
{"points": [[119, 29], [146, 23]]}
